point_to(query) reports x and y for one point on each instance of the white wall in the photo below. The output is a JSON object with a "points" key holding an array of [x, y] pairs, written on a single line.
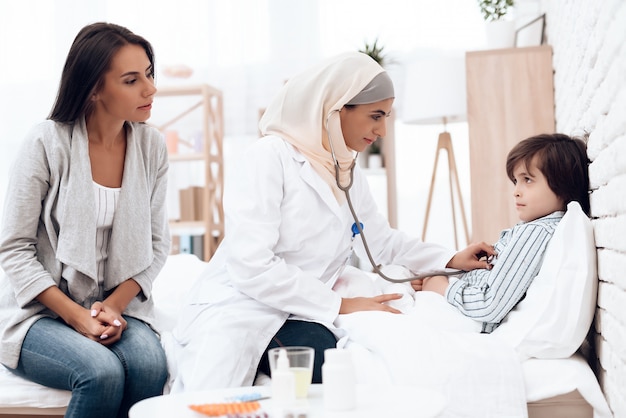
{"points": [[246, 48], [589, 44]]}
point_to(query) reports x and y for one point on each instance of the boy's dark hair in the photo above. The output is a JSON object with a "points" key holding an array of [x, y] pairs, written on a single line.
{"points": [[562, 160], [88, 60]]}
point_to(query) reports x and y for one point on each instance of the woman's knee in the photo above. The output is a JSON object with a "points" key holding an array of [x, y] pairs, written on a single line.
{"points": [[141, 352], [105, 371], [151, 365], [57, 356]]}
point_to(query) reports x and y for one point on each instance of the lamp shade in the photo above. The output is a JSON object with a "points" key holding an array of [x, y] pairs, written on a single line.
{"points": [[434, 88]]}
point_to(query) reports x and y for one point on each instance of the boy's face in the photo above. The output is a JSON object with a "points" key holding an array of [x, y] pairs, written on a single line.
{"points": [[533, 197]]}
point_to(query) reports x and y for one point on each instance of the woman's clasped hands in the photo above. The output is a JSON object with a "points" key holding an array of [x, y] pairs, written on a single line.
{"points": [[105, 324]]}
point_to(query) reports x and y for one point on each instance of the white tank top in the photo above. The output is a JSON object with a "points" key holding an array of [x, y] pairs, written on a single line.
{"points": [[106, 203]]}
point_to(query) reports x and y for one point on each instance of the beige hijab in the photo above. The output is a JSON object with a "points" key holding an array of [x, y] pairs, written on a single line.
{"points": [[299, 112]]}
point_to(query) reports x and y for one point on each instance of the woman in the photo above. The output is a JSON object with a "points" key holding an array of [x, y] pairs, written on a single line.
{"points": [[85, 233], [289, 231]]}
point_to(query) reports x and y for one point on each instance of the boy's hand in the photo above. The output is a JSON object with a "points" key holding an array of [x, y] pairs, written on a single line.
{"points": [[417, 284], [437, 284]]}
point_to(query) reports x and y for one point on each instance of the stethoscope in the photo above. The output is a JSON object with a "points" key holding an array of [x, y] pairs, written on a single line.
{"points": [[357, 227]]}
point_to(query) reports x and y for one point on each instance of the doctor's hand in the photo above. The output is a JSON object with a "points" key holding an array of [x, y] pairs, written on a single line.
{"points": [[417, 284], [376, 303], [471, 258]]}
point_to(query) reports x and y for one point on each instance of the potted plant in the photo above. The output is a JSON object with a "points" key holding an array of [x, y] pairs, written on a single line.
{"points": [[375, 51], [374, 154], [493, 10], [500, 30]]}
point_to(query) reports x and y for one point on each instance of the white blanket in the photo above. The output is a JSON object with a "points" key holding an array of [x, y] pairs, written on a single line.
{"points": [[479, 375]]}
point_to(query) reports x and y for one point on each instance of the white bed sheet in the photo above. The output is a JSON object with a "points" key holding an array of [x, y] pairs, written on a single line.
{"points": [[478, 375], [16, 392], [540, 378], [546, 378]]}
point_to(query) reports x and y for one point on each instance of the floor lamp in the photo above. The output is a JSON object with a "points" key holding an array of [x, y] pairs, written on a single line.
{"points": [[435, 93]]}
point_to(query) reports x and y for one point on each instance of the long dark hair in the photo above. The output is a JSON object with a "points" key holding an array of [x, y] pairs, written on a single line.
{"points": [[562, 160], [88, 60]]}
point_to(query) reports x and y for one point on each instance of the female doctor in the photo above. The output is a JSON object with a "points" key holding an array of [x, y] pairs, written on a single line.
{"points": [[289, 231]]}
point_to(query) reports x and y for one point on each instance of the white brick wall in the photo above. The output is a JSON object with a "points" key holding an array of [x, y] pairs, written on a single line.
{"points": [[589, 43]]}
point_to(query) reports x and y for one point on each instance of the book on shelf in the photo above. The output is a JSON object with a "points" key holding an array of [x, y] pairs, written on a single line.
{"points": [[192, 205], [188, 244], [197, 246]]}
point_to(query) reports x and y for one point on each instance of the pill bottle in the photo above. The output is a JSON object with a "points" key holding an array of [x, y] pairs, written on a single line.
{"points": [[283, 381], [338, 380]]}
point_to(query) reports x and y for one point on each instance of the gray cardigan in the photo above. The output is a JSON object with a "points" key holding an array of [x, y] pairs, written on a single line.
{"points": [[49, 224]]}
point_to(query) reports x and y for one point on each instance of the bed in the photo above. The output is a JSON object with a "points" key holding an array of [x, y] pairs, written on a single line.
{"points": [[533, 358]]}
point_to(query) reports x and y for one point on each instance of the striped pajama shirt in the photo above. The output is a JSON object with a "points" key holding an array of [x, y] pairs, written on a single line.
{"points": [[488, 296]]}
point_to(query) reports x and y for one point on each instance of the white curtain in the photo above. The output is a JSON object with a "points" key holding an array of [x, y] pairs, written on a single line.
{"points": [[247, 48]]}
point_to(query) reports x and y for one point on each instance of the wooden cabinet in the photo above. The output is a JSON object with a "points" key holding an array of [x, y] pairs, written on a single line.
{"points": [[510, 96], [192, 119]]}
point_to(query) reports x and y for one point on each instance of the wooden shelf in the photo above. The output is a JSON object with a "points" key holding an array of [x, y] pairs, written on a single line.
{"points": [[198, 89], [184, 226], [209, 102], [187, 157]]}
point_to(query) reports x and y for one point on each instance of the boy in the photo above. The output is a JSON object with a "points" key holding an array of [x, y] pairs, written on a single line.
{"points": [[548, 172]]}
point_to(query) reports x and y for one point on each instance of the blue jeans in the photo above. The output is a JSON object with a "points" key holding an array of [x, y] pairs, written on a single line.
{"points": [[105, 381]]}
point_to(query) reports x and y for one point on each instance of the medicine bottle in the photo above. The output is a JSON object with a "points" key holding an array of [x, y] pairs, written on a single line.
{"points": [[338, 380], [283, 381]]}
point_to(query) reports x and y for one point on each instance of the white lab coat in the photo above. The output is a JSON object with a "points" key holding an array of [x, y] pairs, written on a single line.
{"points": [[286, 239]]}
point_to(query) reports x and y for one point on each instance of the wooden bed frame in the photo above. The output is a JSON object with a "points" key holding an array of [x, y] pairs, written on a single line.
{"points": [[569, 405]]}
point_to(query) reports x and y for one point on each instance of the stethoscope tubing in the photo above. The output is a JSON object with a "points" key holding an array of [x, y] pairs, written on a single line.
{"points": [[346, 189]]}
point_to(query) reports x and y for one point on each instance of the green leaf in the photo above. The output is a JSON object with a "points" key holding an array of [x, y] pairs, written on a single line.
{"points": [[493, 10], [375, 51]]}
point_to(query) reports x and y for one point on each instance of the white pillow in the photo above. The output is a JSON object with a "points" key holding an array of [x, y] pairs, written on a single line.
{"points": [[553, 319], [174, 281]]}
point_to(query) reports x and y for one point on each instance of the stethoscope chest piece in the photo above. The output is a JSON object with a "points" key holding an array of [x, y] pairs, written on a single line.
{"points": [[355, 229]]}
